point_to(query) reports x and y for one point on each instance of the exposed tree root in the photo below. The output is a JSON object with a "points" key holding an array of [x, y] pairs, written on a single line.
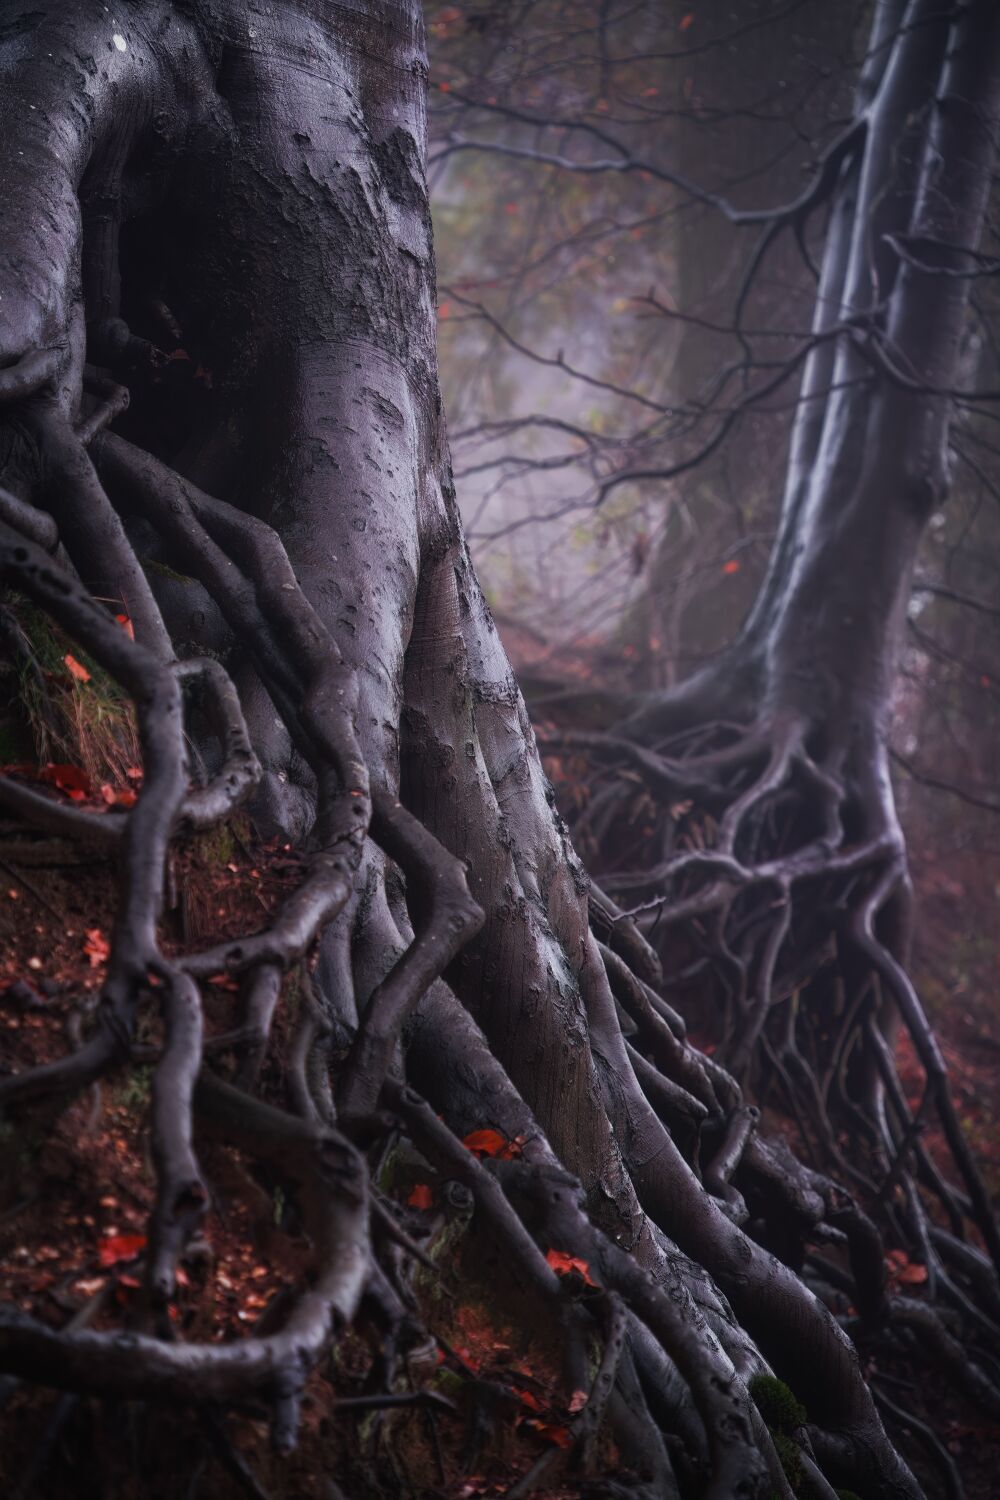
{"points": [[530, 1205]]}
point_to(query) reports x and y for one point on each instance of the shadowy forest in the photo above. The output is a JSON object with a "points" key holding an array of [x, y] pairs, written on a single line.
{"points": [[499, 807]]}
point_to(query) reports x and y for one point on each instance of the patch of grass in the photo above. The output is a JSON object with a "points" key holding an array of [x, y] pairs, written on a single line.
{"points": [[90, 724], [134, 1092]]}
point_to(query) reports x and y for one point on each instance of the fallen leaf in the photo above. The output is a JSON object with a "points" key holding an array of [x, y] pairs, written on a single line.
{"points": [[69, 779], [732, 566], [902, 1271], [89, 1285], [578, 1401], [96, 946], [565, 1265], [76, 668], [553, 1433], [118, 1247], [485, 1143], [685, 21], [126, 625], [115, 797], [421, 1196], [491, 1143]]}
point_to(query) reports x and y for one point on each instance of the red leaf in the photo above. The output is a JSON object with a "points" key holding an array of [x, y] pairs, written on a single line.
{"points": [[96, 947], [126, 625], [558, 1435], [485, 1143], [69, 779], [421, 1197], [685, 21], [732, 566], [565, 1265], [491, 1143], [118, 1247]]}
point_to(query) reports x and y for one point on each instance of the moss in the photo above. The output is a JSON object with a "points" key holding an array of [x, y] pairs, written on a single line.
{"points": [[151, 565], [790, 1458], [220, 845], [776, 1403]]}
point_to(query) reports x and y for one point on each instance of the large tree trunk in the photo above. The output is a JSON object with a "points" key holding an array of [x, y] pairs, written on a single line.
{"points": [[261, 173]]}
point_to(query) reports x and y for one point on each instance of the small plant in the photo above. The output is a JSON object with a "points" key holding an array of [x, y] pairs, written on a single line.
{"points": [[134, 1092]]}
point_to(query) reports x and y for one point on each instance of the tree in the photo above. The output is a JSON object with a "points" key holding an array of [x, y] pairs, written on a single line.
{"points": [[809, 676], [252, 183]]}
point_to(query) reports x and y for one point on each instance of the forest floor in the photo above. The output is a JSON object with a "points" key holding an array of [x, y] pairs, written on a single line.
{"points": [[74, 1200]]}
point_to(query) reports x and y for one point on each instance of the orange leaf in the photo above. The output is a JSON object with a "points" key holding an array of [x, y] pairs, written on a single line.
{"points": [[685, 21], [118, 1247], [485, 1143], [96, 947], [732, 566], [224, 981], [558, 1435], [903, 1271], [565, 1265], [124, 798], [528, 1400], [76, 669], [421, 1197], [126, 625]]}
